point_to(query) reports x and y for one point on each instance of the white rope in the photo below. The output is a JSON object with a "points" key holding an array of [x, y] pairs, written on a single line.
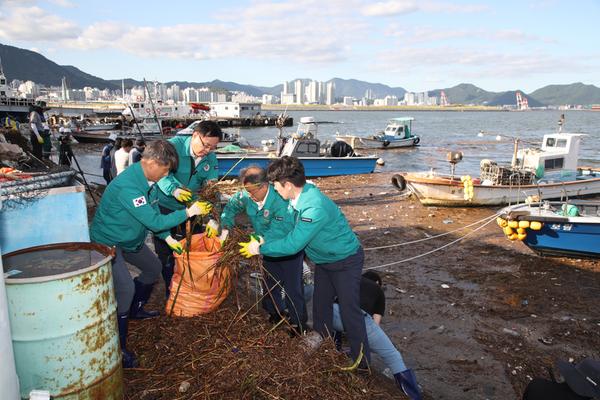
{"points": [[434, 250], [430, 237]]}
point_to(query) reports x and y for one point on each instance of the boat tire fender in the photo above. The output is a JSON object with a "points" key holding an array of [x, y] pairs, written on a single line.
{"points": [[399, 182], [386, 143], [417, 140]]}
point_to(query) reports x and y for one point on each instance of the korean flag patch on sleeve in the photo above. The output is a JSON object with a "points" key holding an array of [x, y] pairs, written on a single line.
{"points": [[139, 201]]}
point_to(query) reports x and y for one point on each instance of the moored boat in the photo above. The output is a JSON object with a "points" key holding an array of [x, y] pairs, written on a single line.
{"points": [[303, 144], [398, 133], [569, 229], [550, 172]]}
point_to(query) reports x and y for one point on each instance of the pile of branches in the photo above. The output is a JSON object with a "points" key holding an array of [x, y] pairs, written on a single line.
{"points": [[234, 353]]}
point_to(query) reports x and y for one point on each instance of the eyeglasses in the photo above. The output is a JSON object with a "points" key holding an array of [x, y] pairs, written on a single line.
{"points": [[210, 147]]}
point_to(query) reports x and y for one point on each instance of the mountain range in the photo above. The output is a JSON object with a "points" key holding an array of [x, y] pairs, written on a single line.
{"points": [[25, 65]]}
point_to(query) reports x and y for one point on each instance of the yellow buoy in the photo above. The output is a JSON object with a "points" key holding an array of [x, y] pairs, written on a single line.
{"points": [[501, 222], [521, 236], [514, 236], [535, 225], [524, 224], [521, 231], [513, 224], [508, 231]]}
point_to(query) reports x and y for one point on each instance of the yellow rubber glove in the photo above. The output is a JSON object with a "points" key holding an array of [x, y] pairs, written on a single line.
{"points": [[251, 248], [40, 139], [201, 208], [174, 245], [182, 195], [212, 228]]}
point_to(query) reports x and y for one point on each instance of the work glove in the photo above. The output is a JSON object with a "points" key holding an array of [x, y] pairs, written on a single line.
{"points": [[201, 208], [40, 139], [251, 248], [223, 235], [174, 244], [212, 228], [182, 195]]}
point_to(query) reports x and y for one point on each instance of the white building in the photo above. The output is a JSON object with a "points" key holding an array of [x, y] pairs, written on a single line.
{"points": [[312, 93], [29, 89], [299, 91], [267, 99], [235, 110], [289, 98], [390, 100], [190, 95], [348, 101], [330, 93], [175, 94], [286, 88]]}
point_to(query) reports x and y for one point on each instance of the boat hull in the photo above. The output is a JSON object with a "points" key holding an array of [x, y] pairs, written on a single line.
{"points": [[444, 191], [313, 166], [358, 142]]}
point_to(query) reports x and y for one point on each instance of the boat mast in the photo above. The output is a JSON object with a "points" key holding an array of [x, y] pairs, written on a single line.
{"points": [[153, 109], [515, 151]]}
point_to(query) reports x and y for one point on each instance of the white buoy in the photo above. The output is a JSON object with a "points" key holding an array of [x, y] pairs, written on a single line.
{"points": [[498, 138], [480, 134], [8, 378], [380, 161]]}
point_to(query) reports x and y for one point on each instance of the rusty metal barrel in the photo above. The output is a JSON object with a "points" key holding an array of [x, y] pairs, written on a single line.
{"points": [[63, 319]]}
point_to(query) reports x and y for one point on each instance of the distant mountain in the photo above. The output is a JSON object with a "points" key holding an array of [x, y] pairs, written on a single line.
{"points": [[466, 93], [575, 93], [28, 65]]}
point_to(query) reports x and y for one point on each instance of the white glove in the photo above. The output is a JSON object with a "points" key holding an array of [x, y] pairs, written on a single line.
{"points": [[212, 228], [201, 208], [223, 235], [182, 195], [174, 244]]}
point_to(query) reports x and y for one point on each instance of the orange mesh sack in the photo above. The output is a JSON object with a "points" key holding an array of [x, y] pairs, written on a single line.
{"points": [[203, 286]]}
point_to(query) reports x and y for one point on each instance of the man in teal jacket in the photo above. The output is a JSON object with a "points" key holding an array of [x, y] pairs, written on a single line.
{"points": [[272, 219], [325, 235], [197, 166], [127, 210]]}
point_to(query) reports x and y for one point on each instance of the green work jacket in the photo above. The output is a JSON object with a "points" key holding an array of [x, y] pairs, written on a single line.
{"points": [[273, 221], [128, 209], [320, 229], [188, 175]]}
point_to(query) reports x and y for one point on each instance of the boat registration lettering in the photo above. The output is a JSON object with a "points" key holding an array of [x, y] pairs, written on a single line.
{"points": [[555, 227], [567, 227]]}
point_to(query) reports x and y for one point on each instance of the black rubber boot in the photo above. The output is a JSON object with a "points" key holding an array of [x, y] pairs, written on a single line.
{"points": [[127, 358], [140, 298], [167, 274], [407, 381]]}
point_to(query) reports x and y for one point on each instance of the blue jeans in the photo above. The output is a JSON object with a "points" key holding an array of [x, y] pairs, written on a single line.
{"points": [[379, 342]]}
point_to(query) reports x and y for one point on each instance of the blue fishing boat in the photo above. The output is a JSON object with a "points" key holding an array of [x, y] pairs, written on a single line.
{"points": [[318, 160], [397, 133], [569, 229]]}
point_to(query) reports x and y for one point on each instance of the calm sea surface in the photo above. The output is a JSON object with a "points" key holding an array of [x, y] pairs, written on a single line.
{"points": [[440, 132]]}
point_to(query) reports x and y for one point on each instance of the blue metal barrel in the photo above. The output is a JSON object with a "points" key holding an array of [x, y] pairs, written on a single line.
{"points": [[63, 319]]}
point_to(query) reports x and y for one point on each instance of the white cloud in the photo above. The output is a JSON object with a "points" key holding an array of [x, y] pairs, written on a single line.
{"points": [[389, 8], [34, 24], [64, 3]]}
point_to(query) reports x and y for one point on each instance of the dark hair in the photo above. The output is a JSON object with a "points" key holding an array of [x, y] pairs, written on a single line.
{"points": [[118, 143], [287, 169], [163, 153], [127, 143], [209, 129], [140, 142], [254, 175], [374, 276]]}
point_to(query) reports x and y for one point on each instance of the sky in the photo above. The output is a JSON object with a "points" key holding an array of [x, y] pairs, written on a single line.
{"points": [[415, 44]]}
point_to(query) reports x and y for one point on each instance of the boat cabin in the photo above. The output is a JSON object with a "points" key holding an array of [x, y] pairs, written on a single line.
{"points": [[399, 128], [304, 142], [559, 152]]}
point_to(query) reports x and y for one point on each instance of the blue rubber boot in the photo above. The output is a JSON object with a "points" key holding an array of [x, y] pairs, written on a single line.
{"points": [[128, 359], [140, 298], [407, 381]]}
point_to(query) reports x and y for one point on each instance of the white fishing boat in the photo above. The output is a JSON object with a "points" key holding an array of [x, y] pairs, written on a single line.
{"points": [[98, 126], [398, 133], [550, 172]]}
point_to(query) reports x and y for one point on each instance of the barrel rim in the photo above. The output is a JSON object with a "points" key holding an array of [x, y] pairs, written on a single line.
{"points": [[109, 252]]}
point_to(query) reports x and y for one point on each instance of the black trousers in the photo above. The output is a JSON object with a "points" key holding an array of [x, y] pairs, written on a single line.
{"points": [[285, 273], [107, 175], [36, 147], [341, 279], [542, 389]]}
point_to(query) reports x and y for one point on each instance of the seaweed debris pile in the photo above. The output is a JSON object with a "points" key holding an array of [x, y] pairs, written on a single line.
{"points": [[234, 353]]}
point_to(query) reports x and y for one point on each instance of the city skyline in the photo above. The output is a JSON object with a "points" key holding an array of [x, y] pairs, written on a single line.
{"points": [[402, 43]]}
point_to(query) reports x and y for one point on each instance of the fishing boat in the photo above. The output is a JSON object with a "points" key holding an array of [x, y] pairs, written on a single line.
{"points": [[317, 160], [550, 172], [98, 126], [228, 137], [397, 133], [569, 228], [12, 107]]}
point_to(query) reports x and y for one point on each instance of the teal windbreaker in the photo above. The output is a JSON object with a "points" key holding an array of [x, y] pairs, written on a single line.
{"points": [[321, 229], [128, 209]]}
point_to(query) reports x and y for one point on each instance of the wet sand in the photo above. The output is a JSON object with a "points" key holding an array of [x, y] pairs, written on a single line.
{"points": [[503, 315]]}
